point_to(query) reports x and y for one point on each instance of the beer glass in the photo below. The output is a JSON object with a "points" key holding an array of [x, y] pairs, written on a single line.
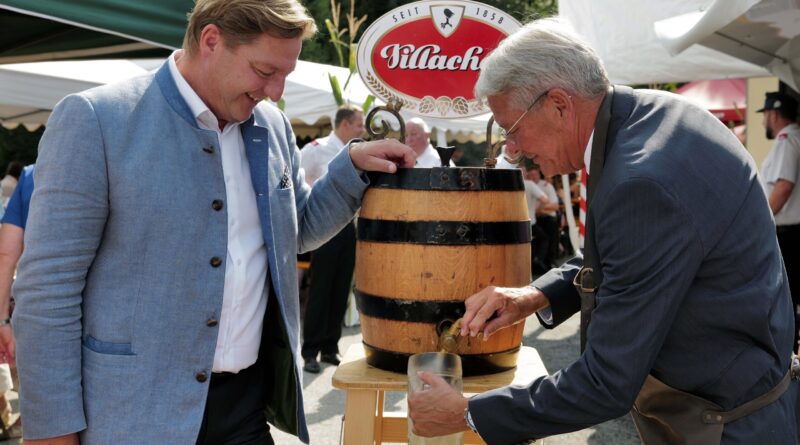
{"points": [[446, 366]]}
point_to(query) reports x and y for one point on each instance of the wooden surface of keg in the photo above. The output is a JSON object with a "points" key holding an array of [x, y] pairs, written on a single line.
{"points": [[427, 240]]}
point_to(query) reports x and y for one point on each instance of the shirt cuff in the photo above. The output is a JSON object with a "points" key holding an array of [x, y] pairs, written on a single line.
{"points": [[546, 315]]}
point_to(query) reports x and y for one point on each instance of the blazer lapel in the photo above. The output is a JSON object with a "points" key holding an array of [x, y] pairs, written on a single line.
{"points": [[256, 142]]}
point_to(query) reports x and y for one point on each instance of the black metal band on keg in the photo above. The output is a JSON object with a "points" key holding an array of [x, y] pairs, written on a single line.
{"points": [[408, 310], [471, 364], [452, 233], [449, 179]]}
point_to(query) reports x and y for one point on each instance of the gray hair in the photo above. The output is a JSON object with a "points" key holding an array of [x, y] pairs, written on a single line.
{"points": [[543, 54], [421, 123]]}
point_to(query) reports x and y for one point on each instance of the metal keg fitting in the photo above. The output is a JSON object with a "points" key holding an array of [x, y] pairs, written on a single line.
{"points": [[448, 335]]}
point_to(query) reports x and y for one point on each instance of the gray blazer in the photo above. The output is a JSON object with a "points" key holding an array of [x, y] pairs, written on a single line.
{"points": [[693, 288], [115, 286]]}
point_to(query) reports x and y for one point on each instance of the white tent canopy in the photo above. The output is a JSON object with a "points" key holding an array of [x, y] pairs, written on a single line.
{"points": [[623, 33], [765, 33], [28, 91]]}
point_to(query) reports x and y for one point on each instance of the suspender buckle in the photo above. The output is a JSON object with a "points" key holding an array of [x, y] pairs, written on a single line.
{"points": [[584, 281]]}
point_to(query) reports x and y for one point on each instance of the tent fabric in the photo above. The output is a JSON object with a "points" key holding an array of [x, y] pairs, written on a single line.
{"points": [[724, 98], [764, 33], [28, 92], [623, 34], [50, 29]]}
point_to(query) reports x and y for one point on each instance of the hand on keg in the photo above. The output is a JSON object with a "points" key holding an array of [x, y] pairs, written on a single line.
{"points": [[384, 155], [494, 308], [438, 409]]}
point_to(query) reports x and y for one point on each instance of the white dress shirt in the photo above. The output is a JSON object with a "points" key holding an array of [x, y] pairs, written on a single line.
{"points": [[430, 158], [244, 301], [315, 156]]}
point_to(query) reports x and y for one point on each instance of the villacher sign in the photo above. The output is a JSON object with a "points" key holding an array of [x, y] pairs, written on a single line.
{"points": [[427, 55]]}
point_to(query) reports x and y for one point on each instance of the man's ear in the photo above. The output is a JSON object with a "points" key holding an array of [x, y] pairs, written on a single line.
{"points": [[562, 100], [210, 38]]}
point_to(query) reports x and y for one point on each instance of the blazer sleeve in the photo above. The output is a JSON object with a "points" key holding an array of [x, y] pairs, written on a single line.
{"points": [[650, 251], [68, 212], [557, 286], [323, 210]]}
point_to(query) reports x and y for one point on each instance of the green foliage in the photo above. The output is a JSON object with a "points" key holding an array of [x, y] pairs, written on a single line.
{"points": [[365, 107], [336, 89], [18, 144], [321, 50]]}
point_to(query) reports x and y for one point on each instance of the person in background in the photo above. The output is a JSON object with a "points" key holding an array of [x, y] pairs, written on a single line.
{"points": [[547, 216], [348, 123], [780, 173], [536, 198], [332, 263], [11, 247], [157, 298], [9, 181], [418, 137], [690, 326]]}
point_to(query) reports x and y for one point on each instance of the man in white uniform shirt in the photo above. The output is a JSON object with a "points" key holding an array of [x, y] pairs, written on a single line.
{"points": [[418, 137], [348, 123], [332, 264], [780, 173]]}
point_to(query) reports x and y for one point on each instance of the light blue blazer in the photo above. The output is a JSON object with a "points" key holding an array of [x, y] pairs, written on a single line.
{"points": [[116, 285]]}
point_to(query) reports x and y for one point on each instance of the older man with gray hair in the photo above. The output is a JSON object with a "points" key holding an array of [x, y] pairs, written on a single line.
{"points": [[685, 307], [418, 137]]}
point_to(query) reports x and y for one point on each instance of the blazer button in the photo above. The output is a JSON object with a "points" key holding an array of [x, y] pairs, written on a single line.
{"points": [[201, 376], [217, 205], [209, 149], [211, 322], [215, 262]]}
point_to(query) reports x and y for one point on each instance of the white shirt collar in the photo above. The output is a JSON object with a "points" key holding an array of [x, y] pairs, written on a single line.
{"points": [[338, 142], [204, 116], [587, 154]]}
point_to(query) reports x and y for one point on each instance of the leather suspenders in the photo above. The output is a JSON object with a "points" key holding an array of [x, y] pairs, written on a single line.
{"points": [[586, 280]]}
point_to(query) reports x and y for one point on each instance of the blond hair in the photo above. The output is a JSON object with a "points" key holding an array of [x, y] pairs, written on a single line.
{"points": [[242, 21]]}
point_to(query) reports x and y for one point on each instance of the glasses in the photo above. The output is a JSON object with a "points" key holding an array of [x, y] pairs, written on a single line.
{"points": [[506, 133]]}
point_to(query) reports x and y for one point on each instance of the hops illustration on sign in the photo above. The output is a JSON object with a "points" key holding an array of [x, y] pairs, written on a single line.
{"points": [[428, 54]]}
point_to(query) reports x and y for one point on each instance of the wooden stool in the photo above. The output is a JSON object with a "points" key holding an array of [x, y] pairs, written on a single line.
{"points": [[365, 423]]}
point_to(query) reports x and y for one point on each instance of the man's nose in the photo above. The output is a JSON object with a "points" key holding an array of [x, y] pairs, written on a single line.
{"points": [[274, 89]]}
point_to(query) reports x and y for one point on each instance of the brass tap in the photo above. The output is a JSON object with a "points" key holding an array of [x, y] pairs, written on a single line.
{"points": [[448, 340]]}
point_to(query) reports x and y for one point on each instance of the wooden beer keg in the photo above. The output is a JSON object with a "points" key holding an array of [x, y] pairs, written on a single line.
{"points": [[428, 238]]}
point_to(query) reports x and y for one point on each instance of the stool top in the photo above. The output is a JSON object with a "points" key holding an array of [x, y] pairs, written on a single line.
{"points": [[355, 373]]}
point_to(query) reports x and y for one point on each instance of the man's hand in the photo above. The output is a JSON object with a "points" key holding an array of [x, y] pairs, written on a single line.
{"points": [[7, 345], [508, 305], [384, 155], [69, 439], [437, 410]]}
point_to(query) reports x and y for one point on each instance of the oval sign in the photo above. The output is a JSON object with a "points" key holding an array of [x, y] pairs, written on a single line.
{"points": [[427, 55]]}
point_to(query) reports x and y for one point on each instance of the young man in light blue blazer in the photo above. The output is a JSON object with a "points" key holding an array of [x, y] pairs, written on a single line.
{"points": [[157, 295]]}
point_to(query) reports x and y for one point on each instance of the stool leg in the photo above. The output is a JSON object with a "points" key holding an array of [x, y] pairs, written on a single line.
{"points": [[379, 420], [359, 417]]}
